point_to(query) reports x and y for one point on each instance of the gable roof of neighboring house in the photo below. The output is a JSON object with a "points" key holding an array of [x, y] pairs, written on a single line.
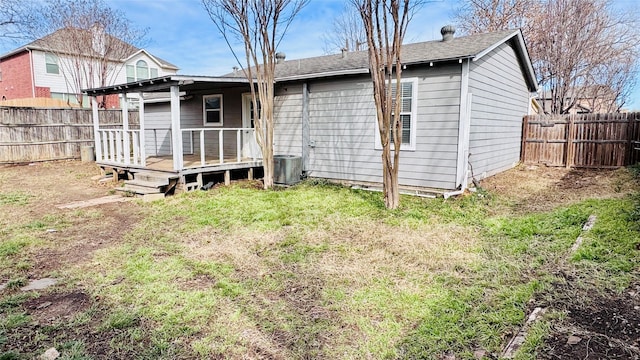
{"points": [[471, 47], [50, 43]]}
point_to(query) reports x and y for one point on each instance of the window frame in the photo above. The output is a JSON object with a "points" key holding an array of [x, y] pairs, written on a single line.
{"points": [[152, 72], [133, 72], [204, 110], [141, 65], [51, 60], [411, 146]]}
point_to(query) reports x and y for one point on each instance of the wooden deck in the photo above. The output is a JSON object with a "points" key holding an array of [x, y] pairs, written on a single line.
{"points": [[192, 163], [192, 174]]}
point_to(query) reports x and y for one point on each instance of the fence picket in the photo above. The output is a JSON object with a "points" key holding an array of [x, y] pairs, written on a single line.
{"points": [[590, 140], [41, 134]]}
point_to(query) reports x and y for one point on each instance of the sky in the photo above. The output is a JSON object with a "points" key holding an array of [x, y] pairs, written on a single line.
{"points": [[181, 32]]}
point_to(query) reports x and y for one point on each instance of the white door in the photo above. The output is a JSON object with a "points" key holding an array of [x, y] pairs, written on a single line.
{"points": [[250, 148]]}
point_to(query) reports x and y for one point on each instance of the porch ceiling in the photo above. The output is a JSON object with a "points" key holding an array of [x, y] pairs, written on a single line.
{"points": [[187, 84]]}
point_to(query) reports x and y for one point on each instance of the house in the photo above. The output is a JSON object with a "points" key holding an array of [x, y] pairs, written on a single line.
{"points": [[584, 100], [463, 103], [41, 69]]}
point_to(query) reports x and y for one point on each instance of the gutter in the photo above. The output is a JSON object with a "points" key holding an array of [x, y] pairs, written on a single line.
{"points": [[324, 74]]}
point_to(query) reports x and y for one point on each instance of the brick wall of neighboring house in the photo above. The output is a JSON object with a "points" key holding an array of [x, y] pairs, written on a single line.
{"points": [[43, 92], [111, 101], [16, 80]]}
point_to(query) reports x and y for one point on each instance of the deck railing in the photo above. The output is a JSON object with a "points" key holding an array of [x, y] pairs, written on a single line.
{"points": [[246, 146], [121, 147]]}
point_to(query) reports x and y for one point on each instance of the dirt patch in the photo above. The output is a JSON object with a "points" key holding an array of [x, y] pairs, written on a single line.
{"points": [[541, 188], [52, 308], [605, 327], [591, 346]]}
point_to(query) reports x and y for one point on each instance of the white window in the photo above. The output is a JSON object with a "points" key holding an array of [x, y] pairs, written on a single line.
{"points": [[51, 62], [72, 99], [140, 71], [131, 73], [408, 117], [212, 110]]}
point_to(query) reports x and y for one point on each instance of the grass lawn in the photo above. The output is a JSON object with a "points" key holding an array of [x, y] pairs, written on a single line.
{"points": [[313, 271]]}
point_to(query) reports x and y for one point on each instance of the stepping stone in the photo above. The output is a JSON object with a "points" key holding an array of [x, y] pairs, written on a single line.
{"points": [[93, 202], [39, 284]]}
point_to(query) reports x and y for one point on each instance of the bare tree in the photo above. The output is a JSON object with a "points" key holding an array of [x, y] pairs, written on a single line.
{"points": [[259, 25], [346, 32], [583, 51], [581, 46], [478, 16], [14, 16], [385, 24], [89, 39]]}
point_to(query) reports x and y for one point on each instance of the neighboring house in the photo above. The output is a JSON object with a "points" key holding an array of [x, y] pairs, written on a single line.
{"points": [[463, 103], [38, 70], [587, 100]]}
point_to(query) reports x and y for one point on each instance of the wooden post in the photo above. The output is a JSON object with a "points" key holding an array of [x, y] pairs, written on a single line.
{"points": [[96, 128], [203, 159], [227, 177], [525, 133], [125, 130], [175, 128], [199, 180], [239, 145], [221, 145], [569, 151], [142, 137], [250, 174]]}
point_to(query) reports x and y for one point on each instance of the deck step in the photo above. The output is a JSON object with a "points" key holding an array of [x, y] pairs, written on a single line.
{"points": [[144, 183], [154, 177], [142, 190]]}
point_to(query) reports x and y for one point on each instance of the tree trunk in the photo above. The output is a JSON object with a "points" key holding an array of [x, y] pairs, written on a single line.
{"points": [[390, 181]]}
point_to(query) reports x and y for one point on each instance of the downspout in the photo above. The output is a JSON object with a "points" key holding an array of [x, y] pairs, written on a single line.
{"points": [[464, 129], [33, 78]]}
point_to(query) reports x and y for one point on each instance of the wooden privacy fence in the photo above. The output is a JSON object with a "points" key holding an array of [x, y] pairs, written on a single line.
{"points": [[583, 140], [29, 134]]}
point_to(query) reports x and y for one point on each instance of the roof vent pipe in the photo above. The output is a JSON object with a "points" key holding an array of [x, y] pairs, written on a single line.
{"points": [[280, 56], [344, 52], [447, 32]]}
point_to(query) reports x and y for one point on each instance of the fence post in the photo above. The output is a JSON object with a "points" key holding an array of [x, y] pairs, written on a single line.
{"points": [[569, 150], [525, 133]]}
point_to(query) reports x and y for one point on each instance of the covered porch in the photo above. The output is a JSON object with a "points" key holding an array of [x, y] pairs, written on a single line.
{"points": [[189, 127]]}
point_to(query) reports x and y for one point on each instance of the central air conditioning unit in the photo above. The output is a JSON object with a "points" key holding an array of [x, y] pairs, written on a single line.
{"points": [[287, 169]]}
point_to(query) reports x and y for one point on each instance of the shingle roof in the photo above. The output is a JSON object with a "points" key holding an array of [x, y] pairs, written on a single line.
{"points": [[429, 51], [51, 41]]}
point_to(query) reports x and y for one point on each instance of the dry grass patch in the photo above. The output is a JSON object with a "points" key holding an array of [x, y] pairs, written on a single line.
{"points": [[541, 188], [340, 289]]}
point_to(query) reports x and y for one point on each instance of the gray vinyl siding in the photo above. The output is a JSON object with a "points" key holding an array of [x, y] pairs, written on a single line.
{"points": [[500, 100], [288, 120], [158, 122], [191, 114], [342, 126], [157, 126]]}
